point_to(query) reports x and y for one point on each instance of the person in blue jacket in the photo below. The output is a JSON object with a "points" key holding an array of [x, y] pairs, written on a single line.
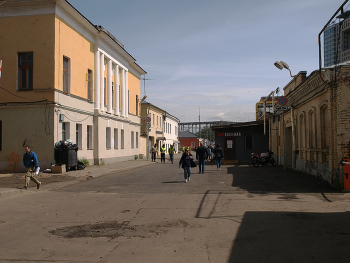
{"points": [[30, 161]]}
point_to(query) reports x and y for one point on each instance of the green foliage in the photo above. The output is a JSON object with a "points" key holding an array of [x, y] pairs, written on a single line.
{"points": [[136, 156], [102, 162], [85, 161]]}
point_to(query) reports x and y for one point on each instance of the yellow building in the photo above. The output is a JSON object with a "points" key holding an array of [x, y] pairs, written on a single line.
{"points": [[64, 78]]}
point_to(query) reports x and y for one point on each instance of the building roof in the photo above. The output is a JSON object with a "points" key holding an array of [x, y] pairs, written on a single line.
{"points": [[238, 125], [187, 134]]}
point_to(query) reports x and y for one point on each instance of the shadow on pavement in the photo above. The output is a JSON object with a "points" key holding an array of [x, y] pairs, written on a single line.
{"points": [[292, 237], [269, 179]]}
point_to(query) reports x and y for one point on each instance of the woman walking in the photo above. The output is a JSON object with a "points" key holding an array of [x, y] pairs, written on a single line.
{"points": [[219, 154], [186, 160]]}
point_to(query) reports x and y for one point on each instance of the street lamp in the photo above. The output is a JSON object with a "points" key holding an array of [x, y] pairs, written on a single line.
{"points": [[281, 65]]}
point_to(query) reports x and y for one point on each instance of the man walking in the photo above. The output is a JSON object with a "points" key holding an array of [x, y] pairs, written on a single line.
{"points": [[162, 153], [154, 152], [171, 153], [201, 156], [30, 161]]}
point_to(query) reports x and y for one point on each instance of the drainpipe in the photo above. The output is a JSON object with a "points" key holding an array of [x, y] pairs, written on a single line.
{"points": [[293, 136]]}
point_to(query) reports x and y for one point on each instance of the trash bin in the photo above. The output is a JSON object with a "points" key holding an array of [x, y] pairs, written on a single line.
{"points": [[66, 154], [346, 172]]}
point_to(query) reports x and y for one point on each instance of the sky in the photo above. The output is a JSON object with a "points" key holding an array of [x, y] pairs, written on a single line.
{"points": [[214, 60]]}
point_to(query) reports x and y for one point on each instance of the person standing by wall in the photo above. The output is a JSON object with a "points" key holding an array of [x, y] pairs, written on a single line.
{"points": [[171, 153], [201, 156], [30, 161], [219, 154], [154, 152], [186, 161], [162, 153]]}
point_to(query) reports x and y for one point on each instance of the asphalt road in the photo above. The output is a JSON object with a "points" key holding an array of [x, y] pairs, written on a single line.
{"points": [[148, 214]]}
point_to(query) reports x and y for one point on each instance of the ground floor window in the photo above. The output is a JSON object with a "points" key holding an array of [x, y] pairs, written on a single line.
{"points": [[78, 136], [137, 140], [65, 131], [122, 139], [108, 138], [89, 137], [115, 138]]}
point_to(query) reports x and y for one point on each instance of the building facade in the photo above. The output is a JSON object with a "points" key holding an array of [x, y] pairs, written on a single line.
{"points": [[314, 136], [171, 132], [65, 78]]}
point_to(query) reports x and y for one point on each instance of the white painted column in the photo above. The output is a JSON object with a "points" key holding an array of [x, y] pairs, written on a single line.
{"points": [[97, 77], [102, 91], [126, 95], [109, 86], [122, 88], [116, 89]]}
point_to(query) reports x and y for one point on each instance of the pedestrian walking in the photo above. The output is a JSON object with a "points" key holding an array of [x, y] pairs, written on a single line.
{"points": [[209, 152], [162, 153], [219, 154], [171, 153], [154, 152], [201, 156], [186, 162], [30, 161]]}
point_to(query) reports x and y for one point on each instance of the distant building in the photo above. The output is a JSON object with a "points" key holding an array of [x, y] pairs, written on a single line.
{"points": [[188, 139], [336, 40]]}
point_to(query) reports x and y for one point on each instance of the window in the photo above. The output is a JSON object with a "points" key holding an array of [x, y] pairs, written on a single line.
{"points": [[137, 140], [108, 138], [122, 139], [248, 141], [25, 71], [311, 130], [89, 137], [115, 138], [90, 85], [137, 105], [78, 136], [66, 70], [132, 140], [65, 131]]}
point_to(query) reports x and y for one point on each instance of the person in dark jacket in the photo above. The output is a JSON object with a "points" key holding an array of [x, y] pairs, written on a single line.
{"points": [[219, 154], [30, 161], [185, 161], [201, 156]]}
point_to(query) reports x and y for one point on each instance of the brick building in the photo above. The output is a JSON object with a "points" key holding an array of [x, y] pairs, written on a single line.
{"points": [[316, 123]]}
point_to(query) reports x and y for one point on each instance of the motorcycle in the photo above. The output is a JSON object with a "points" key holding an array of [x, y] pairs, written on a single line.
{"points": [[262, 159]]}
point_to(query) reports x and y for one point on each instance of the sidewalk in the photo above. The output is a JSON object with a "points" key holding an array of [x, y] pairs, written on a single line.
{"points": [[12, 183]]}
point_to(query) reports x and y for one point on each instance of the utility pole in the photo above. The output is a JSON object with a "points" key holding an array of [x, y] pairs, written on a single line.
{"points": [[144, 85]]}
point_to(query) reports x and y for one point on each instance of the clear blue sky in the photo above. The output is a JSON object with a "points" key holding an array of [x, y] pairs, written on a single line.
{"points": [[216, 56]]}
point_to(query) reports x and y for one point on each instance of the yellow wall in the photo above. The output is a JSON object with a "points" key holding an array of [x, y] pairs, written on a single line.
{"points": [[79, 50], [134, 89], [27, 34]]}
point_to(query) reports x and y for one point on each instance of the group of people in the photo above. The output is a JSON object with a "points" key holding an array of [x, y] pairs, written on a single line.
{"points": [[154, 152], [202, 154]]}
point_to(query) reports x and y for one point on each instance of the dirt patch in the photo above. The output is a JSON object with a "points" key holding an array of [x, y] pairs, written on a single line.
{"points": [[17, 180], [113, 229]]}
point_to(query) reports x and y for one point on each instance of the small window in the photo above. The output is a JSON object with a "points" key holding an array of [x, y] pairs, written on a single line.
{"points": [[115, 138], [25, 71], [66, 70], [249, 142], [65, 131], [90, 85], [108, 138], [132, 140], [122, 139], [78, 136], [137, 140], [89, 137]]}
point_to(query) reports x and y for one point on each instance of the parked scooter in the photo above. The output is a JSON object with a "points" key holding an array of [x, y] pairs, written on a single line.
{"points": [[262, 159]]}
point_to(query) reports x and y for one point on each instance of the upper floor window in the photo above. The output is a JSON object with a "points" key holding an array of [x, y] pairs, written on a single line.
{"points": [[66, 69], [90, 85], [25, 71]]}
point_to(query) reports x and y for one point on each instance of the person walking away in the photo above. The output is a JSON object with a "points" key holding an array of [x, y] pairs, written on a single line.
{"points": [[209, 153], [30, 161], [185, 161], [201, 156], [219, 154], [162, 153], [171, 153], [154, 152]]}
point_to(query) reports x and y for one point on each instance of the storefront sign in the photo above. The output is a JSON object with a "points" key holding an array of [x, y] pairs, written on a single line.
{"points": [[229, 134]]}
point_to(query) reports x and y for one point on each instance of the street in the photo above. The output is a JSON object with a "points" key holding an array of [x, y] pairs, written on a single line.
{"points": [[148, 214]]}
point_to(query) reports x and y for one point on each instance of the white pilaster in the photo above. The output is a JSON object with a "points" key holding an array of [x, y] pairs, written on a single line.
{"points": [[97, 75], [109, 86], [116, 89], [126, 95], [102, 91]]}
